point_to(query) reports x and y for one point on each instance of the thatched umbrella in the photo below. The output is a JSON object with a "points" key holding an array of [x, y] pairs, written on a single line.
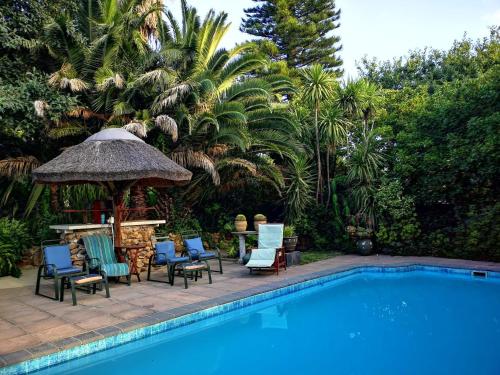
{"points": [[117, 160]]}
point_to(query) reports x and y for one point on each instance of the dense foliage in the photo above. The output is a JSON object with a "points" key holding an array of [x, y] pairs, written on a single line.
{"points": [[14, 238], [444, 117], [408, 154]]}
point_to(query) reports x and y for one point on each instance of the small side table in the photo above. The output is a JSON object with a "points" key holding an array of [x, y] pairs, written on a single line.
{"points": [[194, 267], [133, 254], [242, 242], [82, 280]]}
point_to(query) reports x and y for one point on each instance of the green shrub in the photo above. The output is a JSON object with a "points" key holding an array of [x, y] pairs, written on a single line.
{"points": [[289, 231], [398, 228], [251, 241], [14, 238], [318, 230], [230, 247]]}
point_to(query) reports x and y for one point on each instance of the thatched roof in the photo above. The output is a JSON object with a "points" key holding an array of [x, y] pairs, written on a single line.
{"points": [[112, 155]]}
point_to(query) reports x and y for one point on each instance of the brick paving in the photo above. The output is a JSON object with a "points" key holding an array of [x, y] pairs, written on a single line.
{"points": [[31, 326]]}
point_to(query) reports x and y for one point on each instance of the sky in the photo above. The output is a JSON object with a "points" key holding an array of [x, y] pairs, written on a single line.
{"points": [[384, 28]]}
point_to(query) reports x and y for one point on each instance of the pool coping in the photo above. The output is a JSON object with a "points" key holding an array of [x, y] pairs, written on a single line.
{"points": [[48, 354]]}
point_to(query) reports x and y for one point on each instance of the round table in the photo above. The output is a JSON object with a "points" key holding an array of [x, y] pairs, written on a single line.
{"points": [[242, 241]]}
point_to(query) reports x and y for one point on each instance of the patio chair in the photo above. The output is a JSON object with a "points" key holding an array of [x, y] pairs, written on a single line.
{"points": [[164, 255], [101, 257], [195, 250], [56, 266], [270, 254]]}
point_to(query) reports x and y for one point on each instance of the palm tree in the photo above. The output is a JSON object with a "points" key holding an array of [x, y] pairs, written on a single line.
{"points": [[299, 188], [222, 119], [317, 88], [131, 67], [334, 127], [364, 167], [360, 99]]}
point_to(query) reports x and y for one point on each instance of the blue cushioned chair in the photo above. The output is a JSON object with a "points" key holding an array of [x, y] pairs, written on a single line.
{"points": [[164, 255], [195, 250], [56, 266]]}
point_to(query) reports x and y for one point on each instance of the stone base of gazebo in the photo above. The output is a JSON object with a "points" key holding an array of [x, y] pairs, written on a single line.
{"points": [[133, 232]]}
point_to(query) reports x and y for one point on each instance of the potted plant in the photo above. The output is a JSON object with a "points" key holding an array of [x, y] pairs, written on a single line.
{"points": [[364, 242], [351, 230], [257, 220], [240, 222], [289, 238]]}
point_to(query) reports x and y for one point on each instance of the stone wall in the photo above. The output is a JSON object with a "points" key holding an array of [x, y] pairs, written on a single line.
{"points": [[130, 235]]}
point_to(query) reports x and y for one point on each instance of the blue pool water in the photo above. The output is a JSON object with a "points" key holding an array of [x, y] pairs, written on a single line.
{"points": [[370, 323]]}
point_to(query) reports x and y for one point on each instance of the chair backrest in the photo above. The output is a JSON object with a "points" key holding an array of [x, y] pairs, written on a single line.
{"points": [[270, 236], [58, 255], [164, 250], [100, 246], [187, 234], [194, 246]]}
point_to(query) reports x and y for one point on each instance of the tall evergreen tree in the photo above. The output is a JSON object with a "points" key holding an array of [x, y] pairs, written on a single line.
{"points": [[301, 29]]}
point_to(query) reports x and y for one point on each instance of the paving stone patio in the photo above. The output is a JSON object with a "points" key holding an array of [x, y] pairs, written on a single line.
{"points": [[31, 326]]}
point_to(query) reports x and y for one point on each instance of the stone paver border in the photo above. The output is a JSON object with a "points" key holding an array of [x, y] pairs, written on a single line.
{"points": [[162, 316]]}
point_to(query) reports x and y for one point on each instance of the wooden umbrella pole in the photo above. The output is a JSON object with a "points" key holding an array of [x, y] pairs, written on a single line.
{"points": [[118, 205]]}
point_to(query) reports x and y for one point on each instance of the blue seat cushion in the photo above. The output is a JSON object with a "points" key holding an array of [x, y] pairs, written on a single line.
{"points": [[165, 261], [115, 269], [172, 260], [58, 255], [67, 271], [208, 255], [194, 246]]}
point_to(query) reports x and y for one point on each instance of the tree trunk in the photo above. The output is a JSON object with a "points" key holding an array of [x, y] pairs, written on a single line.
{"points": [[117, 210], [334, 167], [318, 156], [328, 176]]}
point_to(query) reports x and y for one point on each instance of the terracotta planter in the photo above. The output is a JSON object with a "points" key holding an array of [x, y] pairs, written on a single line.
{"points": [[241, 226], [290, 243], [256, 224]]}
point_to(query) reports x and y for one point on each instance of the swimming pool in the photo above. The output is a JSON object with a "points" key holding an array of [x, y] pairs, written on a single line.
{"points": [[357, 322]]}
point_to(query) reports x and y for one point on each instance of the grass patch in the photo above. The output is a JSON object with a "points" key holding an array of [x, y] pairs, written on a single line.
{"points": [[315, 256]]}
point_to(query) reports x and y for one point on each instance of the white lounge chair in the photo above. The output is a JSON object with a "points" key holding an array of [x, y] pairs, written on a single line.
{"points": [[270, 254]]}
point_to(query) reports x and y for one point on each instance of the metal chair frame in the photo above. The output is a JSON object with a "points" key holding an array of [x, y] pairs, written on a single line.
{"points": [[170, 265], [59, 280], [193, 234]]}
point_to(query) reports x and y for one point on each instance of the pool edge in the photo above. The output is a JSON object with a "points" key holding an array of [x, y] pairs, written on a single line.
{"points": [[221, 305]]}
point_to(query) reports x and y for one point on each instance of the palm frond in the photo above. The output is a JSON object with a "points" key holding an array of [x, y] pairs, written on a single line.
{"points": [[160, 77], [168, 125], [18, 167], [196, 159], [40, 107], [137, 127], [171, 97], [66, 130]]}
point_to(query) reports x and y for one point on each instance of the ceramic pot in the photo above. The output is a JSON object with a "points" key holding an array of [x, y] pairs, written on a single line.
{"points": [[256, 224], [364, 246], [241, 226], [290, 243]]}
